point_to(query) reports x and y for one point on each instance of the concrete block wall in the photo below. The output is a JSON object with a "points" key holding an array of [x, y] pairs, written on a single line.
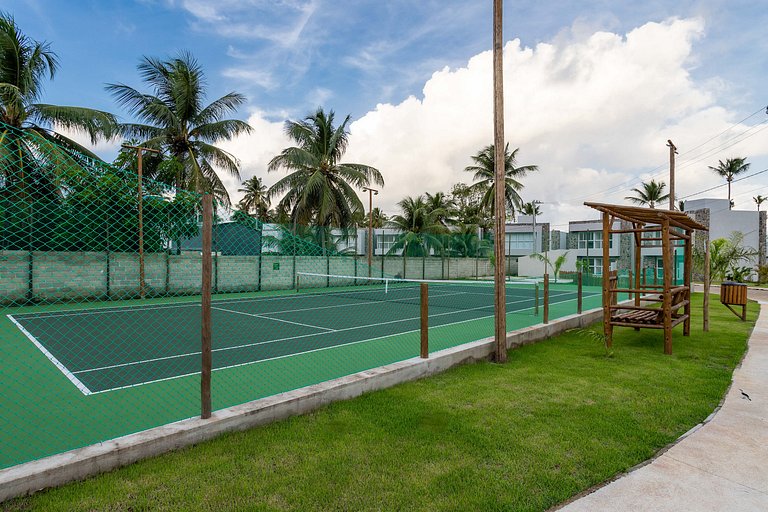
{"points": [[124, 273], [14, 274], [237, 273], [70, 275], [185, 273], [54, 275]]}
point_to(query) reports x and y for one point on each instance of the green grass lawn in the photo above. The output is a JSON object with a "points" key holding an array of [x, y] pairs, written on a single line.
{"points": [[558, 418]]}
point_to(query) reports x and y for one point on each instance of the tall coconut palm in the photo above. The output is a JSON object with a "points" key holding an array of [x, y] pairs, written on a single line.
{"points": [[173, 118], [379, 218], [27, 134], [319, 189], [729, 169], [484, 173], [443, 207], [256, 198], [420, 229], [531, 208], [650, 193], [759, 200]]}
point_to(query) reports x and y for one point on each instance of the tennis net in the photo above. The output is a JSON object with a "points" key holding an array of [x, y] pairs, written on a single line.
{"points": [[452, 294]]}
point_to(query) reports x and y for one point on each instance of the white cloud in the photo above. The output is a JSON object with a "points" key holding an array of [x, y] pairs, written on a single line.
{"points": [[593, 110], [255, 151]]}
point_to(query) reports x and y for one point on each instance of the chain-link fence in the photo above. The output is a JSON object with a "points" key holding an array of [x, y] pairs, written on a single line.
{"points": [[101, 283]]}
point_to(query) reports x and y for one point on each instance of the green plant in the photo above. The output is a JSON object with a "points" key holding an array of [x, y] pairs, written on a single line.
{"points": [[596, 336], [738, 274], [762, 274], [725, 254]]}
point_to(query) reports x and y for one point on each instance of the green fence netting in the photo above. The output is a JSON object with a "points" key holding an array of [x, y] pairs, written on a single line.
{"points": [[100, 333]]}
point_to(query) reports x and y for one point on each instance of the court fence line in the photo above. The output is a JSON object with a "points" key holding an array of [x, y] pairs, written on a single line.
{"points": [[90, 358]]}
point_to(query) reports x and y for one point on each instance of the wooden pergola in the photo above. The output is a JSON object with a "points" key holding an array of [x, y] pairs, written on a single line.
{"points": [[674, 227]]}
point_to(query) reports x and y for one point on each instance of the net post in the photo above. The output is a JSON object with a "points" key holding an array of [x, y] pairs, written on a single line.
{"points": [[536, 299], [297, 283], [579, 293], [546, 298], [424, 320], [207, 267]]}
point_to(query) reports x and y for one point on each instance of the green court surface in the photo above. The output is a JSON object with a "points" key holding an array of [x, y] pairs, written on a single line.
{"points": [[88, 374]]}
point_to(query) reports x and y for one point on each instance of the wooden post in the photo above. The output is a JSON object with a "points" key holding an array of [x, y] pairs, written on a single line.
{"points": [[424, 321], [672, 151], [638, 264], [207, 264], [140, 205], [667, 294], [371, 193], [706, 284], [499, 183], [579, 293], [607, 328], [546, 299], [687, 269]]}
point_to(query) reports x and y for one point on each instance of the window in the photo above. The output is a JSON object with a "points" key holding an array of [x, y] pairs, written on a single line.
{"points": [[519, 241], [592, 240], [384, 243], [594, 266], [652, 243]]}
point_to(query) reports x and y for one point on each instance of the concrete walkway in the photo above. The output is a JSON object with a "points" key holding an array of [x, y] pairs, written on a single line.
{"points": [[720, 466]]}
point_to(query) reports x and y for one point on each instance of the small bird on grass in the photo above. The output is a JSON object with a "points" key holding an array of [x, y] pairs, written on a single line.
{"points": [[744, 395]]}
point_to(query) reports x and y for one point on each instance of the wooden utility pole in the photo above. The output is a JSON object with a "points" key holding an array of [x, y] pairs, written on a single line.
{"points": [[207, 266], [139, 152], [672, 153], [499, 182], [371, 192], [707, 258]]}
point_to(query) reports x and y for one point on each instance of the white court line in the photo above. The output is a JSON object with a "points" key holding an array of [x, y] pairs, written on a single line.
{"points": [[86, 391], [275, 319], [63, 369], [269, 342], [247, 363]]}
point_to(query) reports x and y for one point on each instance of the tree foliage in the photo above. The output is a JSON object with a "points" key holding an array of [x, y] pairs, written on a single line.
{"points": [[173, 118]]}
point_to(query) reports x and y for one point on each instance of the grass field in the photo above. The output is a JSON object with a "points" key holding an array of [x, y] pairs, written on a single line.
{"points": [[559, 417], [85, 373]]}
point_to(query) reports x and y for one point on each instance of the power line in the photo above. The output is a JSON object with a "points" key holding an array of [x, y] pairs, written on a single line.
{"points": [[686, 163], [723, 184]]}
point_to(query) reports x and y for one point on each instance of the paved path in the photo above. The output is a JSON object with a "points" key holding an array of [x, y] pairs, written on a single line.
{"points": [[721, 466]]}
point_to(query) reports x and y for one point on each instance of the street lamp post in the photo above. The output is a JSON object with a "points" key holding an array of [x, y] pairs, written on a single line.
{"points": [[371, 192], [139, 152]]}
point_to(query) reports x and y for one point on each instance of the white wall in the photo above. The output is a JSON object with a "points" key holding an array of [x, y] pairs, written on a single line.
{"points": [[527, 266]]}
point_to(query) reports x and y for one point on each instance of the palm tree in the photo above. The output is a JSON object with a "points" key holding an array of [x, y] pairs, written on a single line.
{"points": [[443, 208], [730, 168], [379, 218], [172, 118], [484, 173], [649, 194], [319, 188], [531, 208], [759, 200], [26, 136], [419, 227], [256, 198]]}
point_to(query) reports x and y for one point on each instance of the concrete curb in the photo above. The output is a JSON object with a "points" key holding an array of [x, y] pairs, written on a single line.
{"points": [[98, 458]]}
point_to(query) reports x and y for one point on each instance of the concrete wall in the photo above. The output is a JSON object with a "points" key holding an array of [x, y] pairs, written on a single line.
{"points": [[528, 266], [78, 275]]}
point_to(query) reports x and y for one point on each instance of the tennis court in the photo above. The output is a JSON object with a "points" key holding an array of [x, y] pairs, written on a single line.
{"points": [[97, 349]]}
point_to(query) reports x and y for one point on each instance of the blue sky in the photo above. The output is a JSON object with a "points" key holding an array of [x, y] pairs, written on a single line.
{"points": [[290, 56]]}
